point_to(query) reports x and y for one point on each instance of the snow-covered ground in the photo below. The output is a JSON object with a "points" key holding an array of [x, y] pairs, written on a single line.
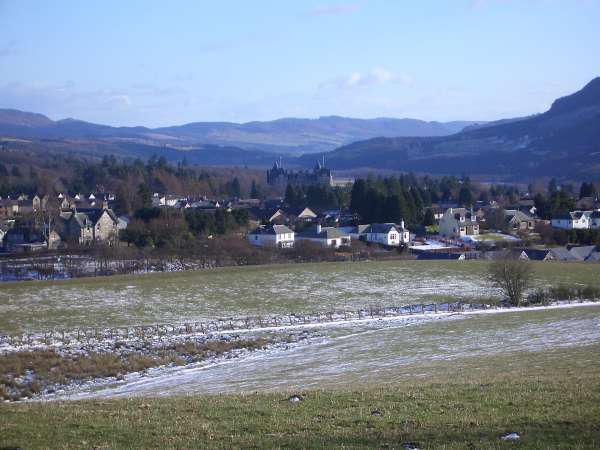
{"points": [[372, 352]]}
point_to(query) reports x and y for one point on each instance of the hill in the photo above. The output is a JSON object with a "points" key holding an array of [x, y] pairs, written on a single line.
{"points": [[563, 142], [289, 136]]}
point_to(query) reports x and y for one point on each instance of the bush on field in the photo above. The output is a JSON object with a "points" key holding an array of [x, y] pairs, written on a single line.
{"points": [[563, 292], [539, 297]]}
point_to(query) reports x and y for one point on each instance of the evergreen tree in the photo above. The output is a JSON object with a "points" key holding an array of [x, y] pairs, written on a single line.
{"points": [[144, 196], [254, 190], [465, 196], [358, 196], [429, 218]]}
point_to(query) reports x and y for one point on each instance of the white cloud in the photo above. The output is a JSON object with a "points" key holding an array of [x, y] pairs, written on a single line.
{"points": [[375, 76]]}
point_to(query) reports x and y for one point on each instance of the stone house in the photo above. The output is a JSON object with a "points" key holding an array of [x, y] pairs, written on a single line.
{"points": [[519, 221], [458, 222], [86, 226]]}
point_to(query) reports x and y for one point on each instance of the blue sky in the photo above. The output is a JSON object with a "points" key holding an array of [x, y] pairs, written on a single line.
{"points": [[159, 63]]}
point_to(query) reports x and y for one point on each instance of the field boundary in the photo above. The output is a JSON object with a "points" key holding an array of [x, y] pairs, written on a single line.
{"points": [[218, 325], [158, 331]]}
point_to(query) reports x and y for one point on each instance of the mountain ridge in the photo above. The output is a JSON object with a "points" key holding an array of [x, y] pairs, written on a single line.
{"points": [[283, 136]]}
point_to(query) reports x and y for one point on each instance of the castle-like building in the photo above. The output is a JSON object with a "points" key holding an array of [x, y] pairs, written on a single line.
{"points": [[278, 176]]}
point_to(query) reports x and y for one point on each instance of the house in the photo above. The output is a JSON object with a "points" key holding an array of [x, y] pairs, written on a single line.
{"points": [[23, 239], [8, 208], [525, 205], [290, 216], [123, 222], [54, 240], [458, 222], [595, 220], [272, 236], [387, 234], [441, 255], [535, 254], [519, 221], [90, 225], [325, 236], [356, 232], [574, 220], [166, 200], [589, 253]]}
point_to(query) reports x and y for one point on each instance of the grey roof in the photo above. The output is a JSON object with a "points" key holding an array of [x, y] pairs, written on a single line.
{"points": [[271, 229], [583, 252], [382, 228], [536, 254], [326, 233], [511, 214], [563, 254], [439, 255], [92, 215]]}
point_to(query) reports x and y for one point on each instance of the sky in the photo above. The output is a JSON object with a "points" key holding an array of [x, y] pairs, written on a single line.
{"points": [[157, 63]]}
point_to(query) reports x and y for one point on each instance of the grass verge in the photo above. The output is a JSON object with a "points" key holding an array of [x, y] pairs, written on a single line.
{"points": [[552, 399], [26, 373]]}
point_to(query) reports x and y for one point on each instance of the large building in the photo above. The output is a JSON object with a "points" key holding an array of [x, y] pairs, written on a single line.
{"points": [[278, 176]]}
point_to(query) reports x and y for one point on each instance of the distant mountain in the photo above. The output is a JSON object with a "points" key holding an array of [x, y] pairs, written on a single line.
{"points": [[296, 136], [563, 142], [283, 136]]}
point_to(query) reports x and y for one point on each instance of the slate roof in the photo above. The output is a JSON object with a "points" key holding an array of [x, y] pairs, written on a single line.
{"points": [[271, 230], [511, 214], [382, 228], [439, 255], [536, 254], [583, 252], [84, 215], [563, 254], [326, 233]]}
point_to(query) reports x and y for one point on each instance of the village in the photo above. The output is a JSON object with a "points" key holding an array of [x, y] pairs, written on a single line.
{"points": [[466, 228]]}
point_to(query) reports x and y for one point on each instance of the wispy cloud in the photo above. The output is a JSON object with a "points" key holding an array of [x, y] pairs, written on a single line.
{"points": [[334, 10], [375, 76]]}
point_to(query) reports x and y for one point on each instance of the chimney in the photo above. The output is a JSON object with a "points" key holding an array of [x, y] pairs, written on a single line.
{"points": [[319, 228], [402, 224]]}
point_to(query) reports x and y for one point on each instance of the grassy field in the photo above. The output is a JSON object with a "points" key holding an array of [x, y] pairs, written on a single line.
{"points": [[552, 399], [227, 292]]}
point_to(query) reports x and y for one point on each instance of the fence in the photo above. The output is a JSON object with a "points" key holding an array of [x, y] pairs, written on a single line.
{"points": [[149, 332]]}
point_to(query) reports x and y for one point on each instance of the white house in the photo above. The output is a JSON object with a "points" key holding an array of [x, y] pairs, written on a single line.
{"points": [[574, 220], [458, 222], [387, 234], [325, 236], [272, 236], [169, 200]]}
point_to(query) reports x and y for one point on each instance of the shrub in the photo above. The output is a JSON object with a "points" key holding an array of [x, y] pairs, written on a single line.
{"points": [[563, 292], [589, 292], [539, 297]]}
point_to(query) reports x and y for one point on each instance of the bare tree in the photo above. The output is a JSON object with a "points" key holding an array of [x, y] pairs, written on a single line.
{"points": [[512, 276]]}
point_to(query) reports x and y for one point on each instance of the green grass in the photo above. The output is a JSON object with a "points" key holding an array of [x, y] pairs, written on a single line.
{"points": [[227, 292], [552, 402]]}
